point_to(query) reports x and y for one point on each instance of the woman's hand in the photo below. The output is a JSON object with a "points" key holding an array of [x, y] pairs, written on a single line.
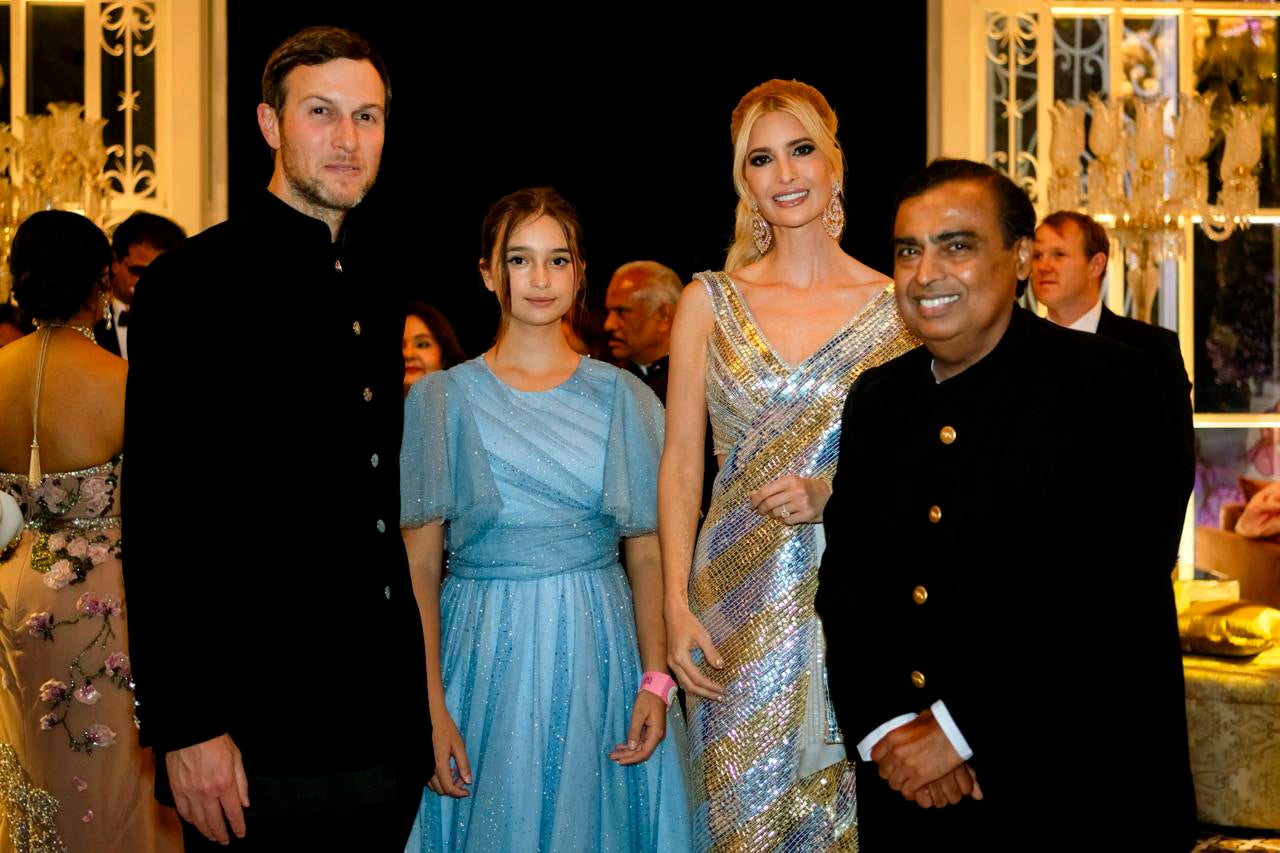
{"points": [[447, 743], [792, 499], [685, 633], [648, 728]]}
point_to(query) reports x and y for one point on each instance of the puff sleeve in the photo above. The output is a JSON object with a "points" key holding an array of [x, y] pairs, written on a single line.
{"points": [[444, 469], [634, 448]]}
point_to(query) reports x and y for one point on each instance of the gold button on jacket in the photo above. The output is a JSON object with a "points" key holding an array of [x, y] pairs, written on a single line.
{"points": [[919, 595], [917, 678], [947, 434], [935, 514]]}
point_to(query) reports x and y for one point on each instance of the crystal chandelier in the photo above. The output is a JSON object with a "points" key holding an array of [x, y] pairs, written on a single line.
{"points": [[53, 161], [1146, 185]]}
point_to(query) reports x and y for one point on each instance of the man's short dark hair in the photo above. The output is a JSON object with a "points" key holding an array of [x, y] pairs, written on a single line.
{"points": [[155, 231], [1095, 236], [1017, 216], [316, 46]]}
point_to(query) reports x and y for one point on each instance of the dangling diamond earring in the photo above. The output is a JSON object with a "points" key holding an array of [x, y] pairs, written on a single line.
{"points": [[833, 214], [761, 232], [108, 314]]}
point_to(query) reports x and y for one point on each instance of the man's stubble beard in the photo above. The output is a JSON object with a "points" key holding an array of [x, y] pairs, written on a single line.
{"points": [[313, 191]]}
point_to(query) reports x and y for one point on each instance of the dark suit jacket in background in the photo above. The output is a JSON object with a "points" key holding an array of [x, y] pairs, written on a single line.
{"points": [[268, 587], [1161, 346], [1047, 624]]}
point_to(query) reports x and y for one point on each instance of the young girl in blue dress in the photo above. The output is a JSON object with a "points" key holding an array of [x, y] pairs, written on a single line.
{"points": [[551, 709]]}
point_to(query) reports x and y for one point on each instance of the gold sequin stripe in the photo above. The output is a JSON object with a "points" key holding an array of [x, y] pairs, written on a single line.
{"points": [[773, 826], [746, 326], [32, 812], [765, 630], [721, 760], [792, 606]]}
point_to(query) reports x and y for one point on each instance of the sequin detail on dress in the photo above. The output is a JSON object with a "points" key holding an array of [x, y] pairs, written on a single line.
{"points": [[768, 768], [32, 812]]}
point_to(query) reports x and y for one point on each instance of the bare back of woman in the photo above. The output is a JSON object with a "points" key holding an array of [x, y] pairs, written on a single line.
{"points": [[81, 417]]}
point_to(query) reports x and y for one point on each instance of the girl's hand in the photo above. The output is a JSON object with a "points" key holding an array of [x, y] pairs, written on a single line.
{"points": [[447, 743], [648, 728], [792, 499], [684, 633]]}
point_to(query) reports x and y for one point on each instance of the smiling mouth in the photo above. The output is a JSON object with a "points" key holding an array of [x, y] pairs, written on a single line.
{"points": [[792, 198], [933, 305]]}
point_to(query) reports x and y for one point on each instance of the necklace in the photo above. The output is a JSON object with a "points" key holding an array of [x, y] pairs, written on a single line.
{"points": [[87, 331]]}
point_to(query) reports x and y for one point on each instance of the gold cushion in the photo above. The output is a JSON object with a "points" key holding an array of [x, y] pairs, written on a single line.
{"points": [[1235, 628]]}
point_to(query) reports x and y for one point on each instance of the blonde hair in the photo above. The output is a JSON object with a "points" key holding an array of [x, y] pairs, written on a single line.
{"points": [[509, 213], [815, 115]]}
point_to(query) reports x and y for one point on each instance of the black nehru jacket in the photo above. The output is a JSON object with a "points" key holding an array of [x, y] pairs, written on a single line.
{"points": [[988, 547], [268, 586]]}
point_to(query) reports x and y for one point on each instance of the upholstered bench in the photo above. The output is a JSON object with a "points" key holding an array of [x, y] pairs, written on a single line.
{"points": [[1233, 725]]}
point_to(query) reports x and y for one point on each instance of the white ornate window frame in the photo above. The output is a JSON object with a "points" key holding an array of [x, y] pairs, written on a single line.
{"points": [[184, 176], [966, 40]]}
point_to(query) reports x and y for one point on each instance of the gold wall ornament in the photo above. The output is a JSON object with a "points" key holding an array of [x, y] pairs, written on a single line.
{"points": [[47, 162]]}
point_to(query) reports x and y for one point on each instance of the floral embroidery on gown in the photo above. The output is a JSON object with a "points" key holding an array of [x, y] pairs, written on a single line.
{"points": [[538, 642], [72, 775]]}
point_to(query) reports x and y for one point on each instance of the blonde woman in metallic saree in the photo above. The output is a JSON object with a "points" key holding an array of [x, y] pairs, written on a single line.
{"points": [[768, 349]]}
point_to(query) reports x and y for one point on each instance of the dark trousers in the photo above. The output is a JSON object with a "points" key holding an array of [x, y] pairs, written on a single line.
{"points": [[369, 829]]}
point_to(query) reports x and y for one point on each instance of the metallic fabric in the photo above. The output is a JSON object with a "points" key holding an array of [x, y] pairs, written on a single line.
{"points": [[30, 811], [768, 768]]}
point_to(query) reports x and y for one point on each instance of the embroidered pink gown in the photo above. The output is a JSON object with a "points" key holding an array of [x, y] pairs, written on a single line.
{"points": [[72, 775]]}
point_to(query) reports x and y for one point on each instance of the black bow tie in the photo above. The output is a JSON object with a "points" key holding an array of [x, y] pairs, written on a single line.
{"points": [[122, 319]]}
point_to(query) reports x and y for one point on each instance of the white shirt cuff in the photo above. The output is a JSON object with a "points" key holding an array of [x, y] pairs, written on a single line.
{"points": [[869, 742], [950, 729]]}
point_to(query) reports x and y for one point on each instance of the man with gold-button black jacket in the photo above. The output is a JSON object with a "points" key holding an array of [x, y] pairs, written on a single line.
{"points": [[1002, 645], [276, 643]]}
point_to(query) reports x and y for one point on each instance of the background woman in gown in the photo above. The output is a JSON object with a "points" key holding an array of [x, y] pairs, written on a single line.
{"points": [[770, 353], [67, 739], [538, 460]]}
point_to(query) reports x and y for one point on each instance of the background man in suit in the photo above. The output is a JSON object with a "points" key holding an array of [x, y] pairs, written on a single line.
{"points": [[1068, 263], [136, 242], [641, 301], [276, 643], [969, 639]]}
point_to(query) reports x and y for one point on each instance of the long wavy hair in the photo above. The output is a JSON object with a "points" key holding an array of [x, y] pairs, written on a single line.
{"points": [[815, 115]]}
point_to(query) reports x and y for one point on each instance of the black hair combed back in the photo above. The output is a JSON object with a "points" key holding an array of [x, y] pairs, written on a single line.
{"points": [[1017, 216], [57, 262]]}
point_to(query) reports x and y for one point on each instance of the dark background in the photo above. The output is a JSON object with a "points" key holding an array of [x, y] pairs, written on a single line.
{"points": [[632, 126]]}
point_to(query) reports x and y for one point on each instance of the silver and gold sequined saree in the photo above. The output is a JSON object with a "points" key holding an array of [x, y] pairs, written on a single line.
{"points": [[768, 763]]}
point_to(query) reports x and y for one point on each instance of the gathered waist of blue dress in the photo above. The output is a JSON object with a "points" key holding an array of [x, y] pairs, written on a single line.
{"points": [[506, 570], [528, 552]]}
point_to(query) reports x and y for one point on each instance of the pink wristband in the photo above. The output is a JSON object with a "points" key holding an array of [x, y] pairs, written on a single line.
{"points": [[661, 685]]}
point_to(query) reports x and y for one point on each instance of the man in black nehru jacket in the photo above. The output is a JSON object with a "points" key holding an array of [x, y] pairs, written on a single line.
{"points": [[1002, 645], [277, 648]]}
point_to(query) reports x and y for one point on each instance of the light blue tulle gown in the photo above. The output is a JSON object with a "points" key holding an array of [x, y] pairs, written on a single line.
{"points": [[538, 639]]}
